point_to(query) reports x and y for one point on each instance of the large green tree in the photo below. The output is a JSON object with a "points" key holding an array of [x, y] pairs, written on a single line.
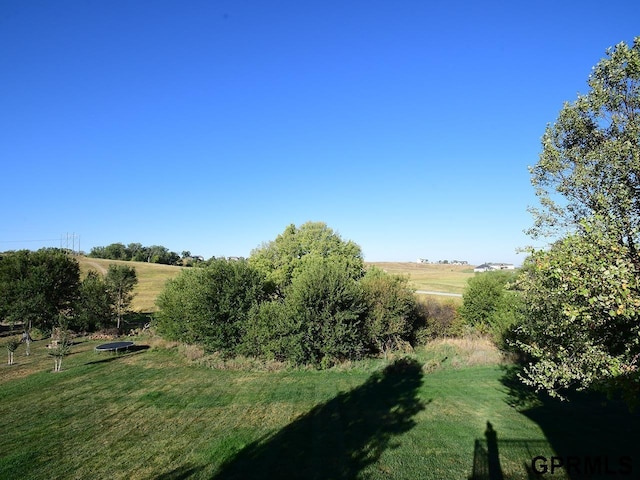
{"points": [[582, 322], [95, 306], [392, 310], [209, 305], [280, 258], [36, 288], [589, 167], [581, 327], [320, 321]]}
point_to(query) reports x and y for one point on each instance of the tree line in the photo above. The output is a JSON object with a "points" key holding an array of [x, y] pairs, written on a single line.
{"points": [[305, 298], [136, 252], [43, 290]]}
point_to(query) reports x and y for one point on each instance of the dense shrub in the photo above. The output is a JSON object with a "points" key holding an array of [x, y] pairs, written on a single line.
{"points": [[94, 307], [210, 305], [319, 322], [490, 306], [392, 310], [437, 318]]}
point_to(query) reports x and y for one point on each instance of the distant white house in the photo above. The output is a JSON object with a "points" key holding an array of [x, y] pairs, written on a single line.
{"points": [[491, 267]]}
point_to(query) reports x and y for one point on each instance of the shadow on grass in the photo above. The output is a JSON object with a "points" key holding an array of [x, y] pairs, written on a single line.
{"points": [[340, 437], [111, 356], [496, 458], [590, 436], [180, 473]]}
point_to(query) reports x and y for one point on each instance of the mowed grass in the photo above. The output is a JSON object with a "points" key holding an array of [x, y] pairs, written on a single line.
{"points": [[151, 413], [431, 277]]}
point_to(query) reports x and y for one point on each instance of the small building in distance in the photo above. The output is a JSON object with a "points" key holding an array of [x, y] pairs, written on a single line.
{"points": [[492, 267]]}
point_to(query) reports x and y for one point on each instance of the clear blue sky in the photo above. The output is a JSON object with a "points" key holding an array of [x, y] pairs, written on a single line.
{"points": [[209, 126]]}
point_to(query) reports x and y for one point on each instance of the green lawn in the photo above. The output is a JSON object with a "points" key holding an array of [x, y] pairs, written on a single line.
{"points": [[152, 413]]}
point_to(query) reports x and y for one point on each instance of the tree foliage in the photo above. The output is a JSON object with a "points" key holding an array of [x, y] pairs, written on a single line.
{"points": [[209, 305], [96, 306], [279, 259], [136, 252], [302, 298], [581, 327], [490, 305], [319, 322], [590, 162], [37, 287], [393, 313]]}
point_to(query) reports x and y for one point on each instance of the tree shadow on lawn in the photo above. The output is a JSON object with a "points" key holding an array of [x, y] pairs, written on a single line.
{"points": [[594, 437], [339, 438]]}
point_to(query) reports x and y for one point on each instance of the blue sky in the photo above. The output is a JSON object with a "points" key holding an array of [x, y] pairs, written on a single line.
{"points": [[209, 126]]}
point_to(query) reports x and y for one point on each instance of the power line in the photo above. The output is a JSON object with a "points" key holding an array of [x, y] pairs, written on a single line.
{"points": [[30, 241]]}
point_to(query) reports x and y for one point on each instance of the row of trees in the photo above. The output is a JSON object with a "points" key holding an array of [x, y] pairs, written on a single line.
{"points": [[304, 297], [136, 252], [43, 289]]}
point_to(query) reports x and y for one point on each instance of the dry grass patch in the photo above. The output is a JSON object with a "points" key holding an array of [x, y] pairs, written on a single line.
{"points": [[431, 277], [151, 279], [459, 353]]}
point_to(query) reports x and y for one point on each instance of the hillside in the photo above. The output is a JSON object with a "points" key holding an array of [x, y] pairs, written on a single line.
{"points": [[431, 277], [151, 279]]}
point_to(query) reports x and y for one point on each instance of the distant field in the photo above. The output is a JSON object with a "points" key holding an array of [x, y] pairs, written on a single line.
{"points": [[431, 277], [153, 276], [151, 279]]}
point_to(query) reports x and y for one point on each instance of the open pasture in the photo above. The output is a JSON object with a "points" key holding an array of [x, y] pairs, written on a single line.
{"points": [[431, 277], [151, 279]]}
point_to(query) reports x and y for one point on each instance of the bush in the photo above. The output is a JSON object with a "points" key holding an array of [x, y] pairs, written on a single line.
{"points": [[94, 307], [210, 305], [489, 306], [392, 310], [438, 318], [319, 322]]}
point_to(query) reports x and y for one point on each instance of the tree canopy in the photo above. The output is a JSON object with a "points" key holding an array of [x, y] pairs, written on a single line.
{"points": [[136, 252], [37, 287], [580, 327], [280, 258], [303, 298], [589, 167]]}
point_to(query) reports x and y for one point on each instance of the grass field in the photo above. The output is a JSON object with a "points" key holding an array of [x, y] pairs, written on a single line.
{"points": [[151, 279], [152, 413], [431, 277]]}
